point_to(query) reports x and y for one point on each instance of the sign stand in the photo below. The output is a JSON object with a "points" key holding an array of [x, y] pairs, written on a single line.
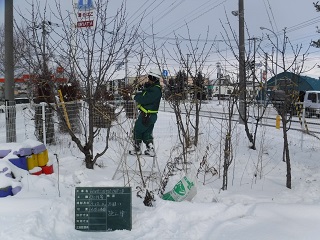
{"points": [[103, 208]]}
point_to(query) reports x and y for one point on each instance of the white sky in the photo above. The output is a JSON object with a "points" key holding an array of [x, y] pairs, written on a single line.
{"points": [[168, 17]]}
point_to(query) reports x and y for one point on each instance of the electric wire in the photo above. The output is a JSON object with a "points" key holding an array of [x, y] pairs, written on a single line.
{"points": [[273, 18], [138, 9], [172, 7], [269, 18], [143, 10], [197, 16], [193, 12]]}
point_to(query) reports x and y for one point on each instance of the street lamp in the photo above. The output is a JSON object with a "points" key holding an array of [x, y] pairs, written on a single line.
{"points": [[264, 28]]}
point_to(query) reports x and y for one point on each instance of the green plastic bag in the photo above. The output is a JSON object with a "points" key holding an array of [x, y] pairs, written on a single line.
{"points": [[185, 189]]}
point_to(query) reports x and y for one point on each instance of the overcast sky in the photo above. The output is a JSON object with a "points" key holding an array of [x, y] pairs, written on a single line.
{"points": [[168, 17]]}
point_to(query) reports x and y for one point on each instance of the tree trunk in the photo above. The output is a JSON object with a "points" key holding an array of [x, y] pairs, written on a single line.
{"points": [[89, 162], [196, 134], [249, 134], [288, 184], [286, 151], [227, 161], [225, 177]]}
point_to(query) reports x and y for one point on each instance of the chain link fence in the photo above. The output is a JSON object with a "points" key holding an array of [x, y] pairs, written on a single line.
{"points": [[51, 124]]}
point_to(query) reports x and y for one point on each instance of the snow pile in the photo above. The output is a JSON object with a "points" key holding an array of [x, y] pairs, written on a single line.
{"points": [[256, 205], [8, 184]]}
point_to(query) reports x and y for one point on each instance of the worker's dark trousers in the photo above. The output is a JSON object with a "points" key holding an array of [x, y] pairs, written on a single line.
{"points": [[143, 129]]}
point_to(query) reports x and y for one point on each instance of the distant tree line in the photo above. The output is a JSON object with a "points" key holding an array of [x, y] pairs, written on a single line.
{"points": [[178, 87]]}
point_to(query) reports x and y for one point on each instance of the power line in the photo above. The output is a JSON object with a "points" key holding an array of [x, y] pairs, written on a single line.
{"points": [[142, 13], [149, 11], [265, 6], [139, 8], [167, 12], [273, 18], [189, 14], [198, 15], [304, 24]]}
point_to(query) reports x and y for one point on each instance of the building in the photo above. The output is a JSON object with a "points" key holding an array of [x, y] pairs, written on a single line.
{"points": [[288, 81], [23, 86], [20, 89], [298, 82], [222, 87]]}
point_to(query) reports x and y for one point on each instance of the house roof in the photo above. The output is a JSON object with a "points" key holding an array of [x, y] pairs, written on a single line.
{"points": [[302, 83]]}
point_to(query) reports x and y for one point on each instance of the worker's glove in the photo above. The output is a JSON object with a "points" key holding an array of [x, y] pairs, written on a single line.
{"points": [[145, 119], [135, 93]]}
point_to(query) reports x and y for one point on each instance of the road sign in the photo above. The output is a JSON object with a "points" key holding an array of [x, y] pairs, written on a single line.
{"points": [[85, 13], [85, 23], [165, 73]]}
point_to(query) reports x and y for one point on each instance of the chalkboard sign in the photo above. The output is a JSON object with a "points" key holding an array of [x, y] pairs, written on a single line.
{"points": [[103, 208]]}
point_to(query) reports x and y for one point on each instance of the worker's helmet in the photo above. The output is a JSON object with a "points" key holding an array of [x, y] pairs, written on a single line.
{"points": [[155, 72]]}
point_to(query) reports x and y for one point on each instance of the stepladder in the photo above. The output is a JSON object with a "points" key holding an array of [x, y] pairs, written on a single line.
{"points": [[137, 168]]}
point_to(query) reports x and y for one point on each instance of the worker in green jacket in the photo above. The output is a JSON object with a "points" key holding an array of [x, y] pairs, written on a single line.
{"points": [[148, 101]]}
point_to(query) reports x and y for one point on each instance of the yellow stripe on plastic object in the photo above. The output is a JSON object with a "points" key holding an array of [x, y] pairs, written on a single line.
{"points": [[278, 119], [43, 158], [32, 161]]}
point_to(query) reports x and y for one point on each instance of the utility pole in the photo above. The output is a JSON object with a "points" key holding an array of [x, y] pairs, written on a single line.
{"points": [[254, 67], [44, 32], [126, 67], [242, 71], [219, 79], [9, 73], [186, 92], [277, 50], [254, 39], [266, 77]]}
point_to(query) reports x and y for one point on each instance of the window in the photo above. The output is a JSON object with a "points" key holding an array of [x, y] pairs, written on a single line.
{"points": [[312, 97]]}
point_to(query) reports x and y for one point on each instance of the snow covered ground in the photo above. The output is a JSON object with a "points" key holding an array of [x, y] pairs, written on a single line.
{"points": [[257, 204]]}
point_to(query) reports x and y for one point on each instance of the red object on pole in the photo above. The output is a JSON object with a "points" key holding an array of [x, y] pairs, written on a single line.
{"points": [[60, 69], [264, 75]]}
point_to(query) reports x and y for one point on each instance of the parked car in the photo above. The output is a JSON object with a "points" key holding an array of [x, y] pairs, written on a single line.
{"points": [[22, 100], [311, 103]]}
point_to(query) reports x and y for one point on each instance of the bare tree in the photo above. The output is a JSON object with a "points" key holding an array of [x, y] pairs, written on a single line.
{"points": [[19, 47], [228, 148], [185, 93], [88, 56], [231, 39], [292, 64], [317, 42]]}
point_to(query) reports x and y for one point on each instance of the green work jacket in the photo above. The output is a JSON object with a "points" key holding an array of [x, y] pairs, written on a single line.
{"points": [[149, 98]]}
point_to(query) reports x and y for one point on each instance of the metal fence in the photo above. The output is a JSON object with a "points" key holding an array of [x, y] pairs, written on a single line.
{"points": [[49, 124], [43, 123], [8, 110]]}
